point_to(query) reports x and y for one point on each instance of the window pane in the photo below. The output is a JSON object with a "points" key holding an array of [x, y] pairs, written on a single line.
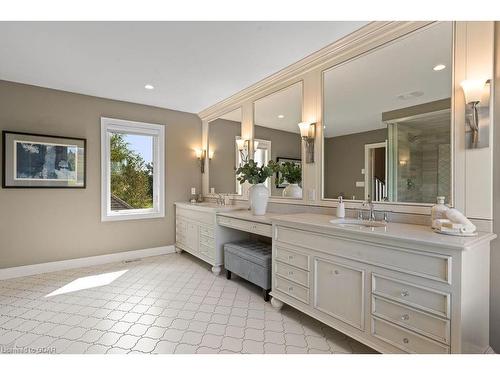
{"points": [[131, 171]]}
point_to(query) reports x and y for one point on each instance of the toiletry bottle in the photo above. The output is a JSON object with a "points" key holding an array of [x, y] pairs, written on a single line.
{"points": [[193, 195], [438, 211], [341, 208]]}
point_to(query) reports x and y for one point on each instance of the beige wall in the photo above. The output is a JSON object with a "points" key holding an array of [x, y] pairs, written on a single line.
{"points": [[344, 159], [495, 249], [43, 225], [222, 141], [283, 144]]}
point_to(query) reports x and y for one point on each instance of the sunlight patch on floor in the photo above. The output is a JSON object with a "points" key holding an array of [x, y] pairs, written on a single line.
{"points": [[88, 282]]}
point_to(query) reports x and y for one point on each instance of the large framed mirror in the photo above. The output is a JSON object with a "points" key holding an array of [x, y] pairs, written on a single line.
{"points": [[223, 134], [387, 121], [277, 138]]}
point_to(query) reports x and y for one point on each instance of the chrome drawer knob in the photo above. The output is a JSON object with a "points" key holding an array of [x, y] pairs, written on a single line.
{"points": [[405, 293], [405, 317], [290, 257], [406, 341], [290, 288], [290, 273]]}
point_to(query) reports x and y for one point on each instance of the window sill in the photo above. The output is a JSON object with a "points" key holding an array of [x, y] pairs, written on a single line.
{"points": [[115, 216]]}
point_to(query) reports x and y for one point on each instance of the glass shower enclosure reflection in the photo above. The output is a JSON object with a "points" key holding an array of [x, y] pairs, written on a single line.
{"points": [[420, 158]]}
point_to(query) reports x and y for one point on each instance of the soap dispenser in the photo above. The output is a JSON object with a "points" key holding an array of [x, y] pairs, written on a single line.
{"points": [[438, 211], [341, 208]]}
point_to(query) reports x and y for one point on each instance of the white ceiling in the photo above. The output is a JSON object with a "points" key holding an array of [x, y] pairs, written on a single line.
{"points": [[356, 93], [191, 64], [286, 103]]}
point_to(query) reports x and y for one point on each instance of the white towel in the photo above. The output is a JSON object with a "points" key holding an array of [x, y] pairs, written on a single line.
{"points": [[457, 217]]}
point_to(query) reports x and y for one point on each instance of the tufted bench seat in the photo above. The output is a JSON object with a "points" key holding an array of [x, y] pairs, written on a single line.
{"points": [[250, 260]]}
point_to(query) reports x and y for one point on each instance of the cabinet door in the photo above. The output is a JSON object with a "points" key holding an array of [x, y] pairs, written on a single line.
{"points": [[339, 291], [192, 237], [181, 230]]}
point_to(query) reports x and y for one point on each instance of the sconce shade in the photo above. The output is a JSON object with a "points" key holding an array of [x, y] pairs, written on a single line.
{"points": [[198, 152], [210, 154], [308, 133], [240, 143], [473, 90], [304, 129]]}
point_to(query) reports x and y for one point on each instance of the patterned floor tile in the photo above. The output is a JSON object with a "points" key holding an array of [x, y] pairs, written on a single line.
{"points": [[160, 305]]}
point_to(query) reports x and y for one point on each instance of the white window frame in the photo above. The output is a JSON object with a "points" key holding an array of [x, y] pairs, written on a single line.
{"points": [[157, 131]]}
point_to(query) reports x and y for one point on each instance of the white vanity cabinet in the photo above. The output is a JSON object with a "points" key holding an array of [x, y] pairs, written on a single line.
{"points": [[197, 232], [400, 289]]}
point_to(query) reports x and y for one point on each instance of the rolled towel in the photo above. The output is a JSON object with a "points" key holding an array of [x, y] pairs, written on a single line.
{"points": [[457, 217], [439, 223]]}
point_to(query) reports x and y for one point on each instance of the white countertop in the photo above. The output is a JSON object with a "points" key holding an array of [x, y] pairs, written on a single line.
{"points": [[208, 206], [419, 234]]}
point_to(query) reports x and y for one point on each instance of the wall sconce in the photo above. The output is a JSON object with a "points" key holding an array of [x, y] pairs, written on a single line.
{"points": [[201, 155], [476, 115], [210, 155], [308, 134], [242, 145]]}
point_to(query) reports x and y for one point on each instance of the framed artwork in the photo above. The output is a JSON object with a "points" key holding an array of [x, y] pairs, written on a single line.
{"points": [[281, 160], [43, 161]]}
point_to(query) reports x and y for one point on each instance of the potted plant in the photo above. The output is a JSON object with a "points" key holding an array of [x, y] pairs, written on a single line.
{"points": [[292, 174], [256, 176]]}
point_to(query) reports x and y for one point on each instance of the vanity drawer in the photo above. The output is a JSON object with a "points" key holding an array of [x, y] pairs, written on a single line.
{"points": [[292, 257], [246, 226], [406, 340], [207, 251], [413, 295], [425, 324], [292, 273], [424, 264], [293, 290], [206, 241], [207, 232]]}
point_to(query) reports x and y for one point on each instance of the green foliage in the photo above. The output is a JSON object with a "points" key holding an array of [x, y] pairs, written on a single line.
{"points": [[290, 172], [254, 174], [131, 176]]}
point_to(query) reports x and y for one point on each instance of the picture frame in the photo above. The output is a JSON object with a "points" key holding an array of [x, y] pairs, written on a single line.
{"points": [[280, 160], [32, 160]]}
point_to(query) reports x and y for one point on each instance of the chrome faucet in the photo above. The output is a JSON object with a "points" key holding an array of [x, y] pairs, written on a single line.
{"points": [[220, 199], [371, 214]]}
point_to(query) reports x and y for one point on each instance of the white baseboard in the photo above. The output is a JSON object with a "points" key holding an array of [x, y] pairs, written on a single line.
{"points": [[35, 269], [490, 350]]}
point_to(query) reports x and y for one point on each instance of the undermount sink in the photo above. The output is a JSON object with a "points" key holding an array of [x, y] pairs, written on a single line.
{"points": [[360, 224]]}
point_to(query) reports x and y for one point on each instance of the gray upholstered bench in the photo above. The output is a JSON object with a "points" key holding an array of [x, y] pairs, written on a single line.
{"points": [[250, 260]]}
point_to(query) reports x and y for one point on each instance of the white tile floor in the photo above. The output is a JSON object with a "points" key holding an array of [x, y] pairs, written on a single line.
{"points": [[165, 304]]}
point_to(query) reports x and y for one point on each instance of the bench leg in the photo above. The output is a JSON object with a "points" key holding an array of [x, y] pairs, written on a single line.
{"points": [[228, 274], [265, 294]]}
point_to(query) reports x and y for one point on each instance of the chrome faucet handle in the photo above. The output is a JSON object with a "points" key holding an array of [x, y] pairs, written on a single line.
{"points": [[360, 214]]}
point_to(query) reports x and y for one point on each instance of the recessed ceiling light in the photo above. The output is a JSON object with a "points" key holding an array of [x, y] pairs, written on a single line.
{"points": [[281, 116], [149, 87], [439, 67]]}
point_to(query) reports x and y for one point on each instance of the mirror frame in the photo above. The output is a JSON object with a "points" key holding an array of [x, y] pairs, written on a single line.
{"points": [[451, 200], [470, 59]]}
